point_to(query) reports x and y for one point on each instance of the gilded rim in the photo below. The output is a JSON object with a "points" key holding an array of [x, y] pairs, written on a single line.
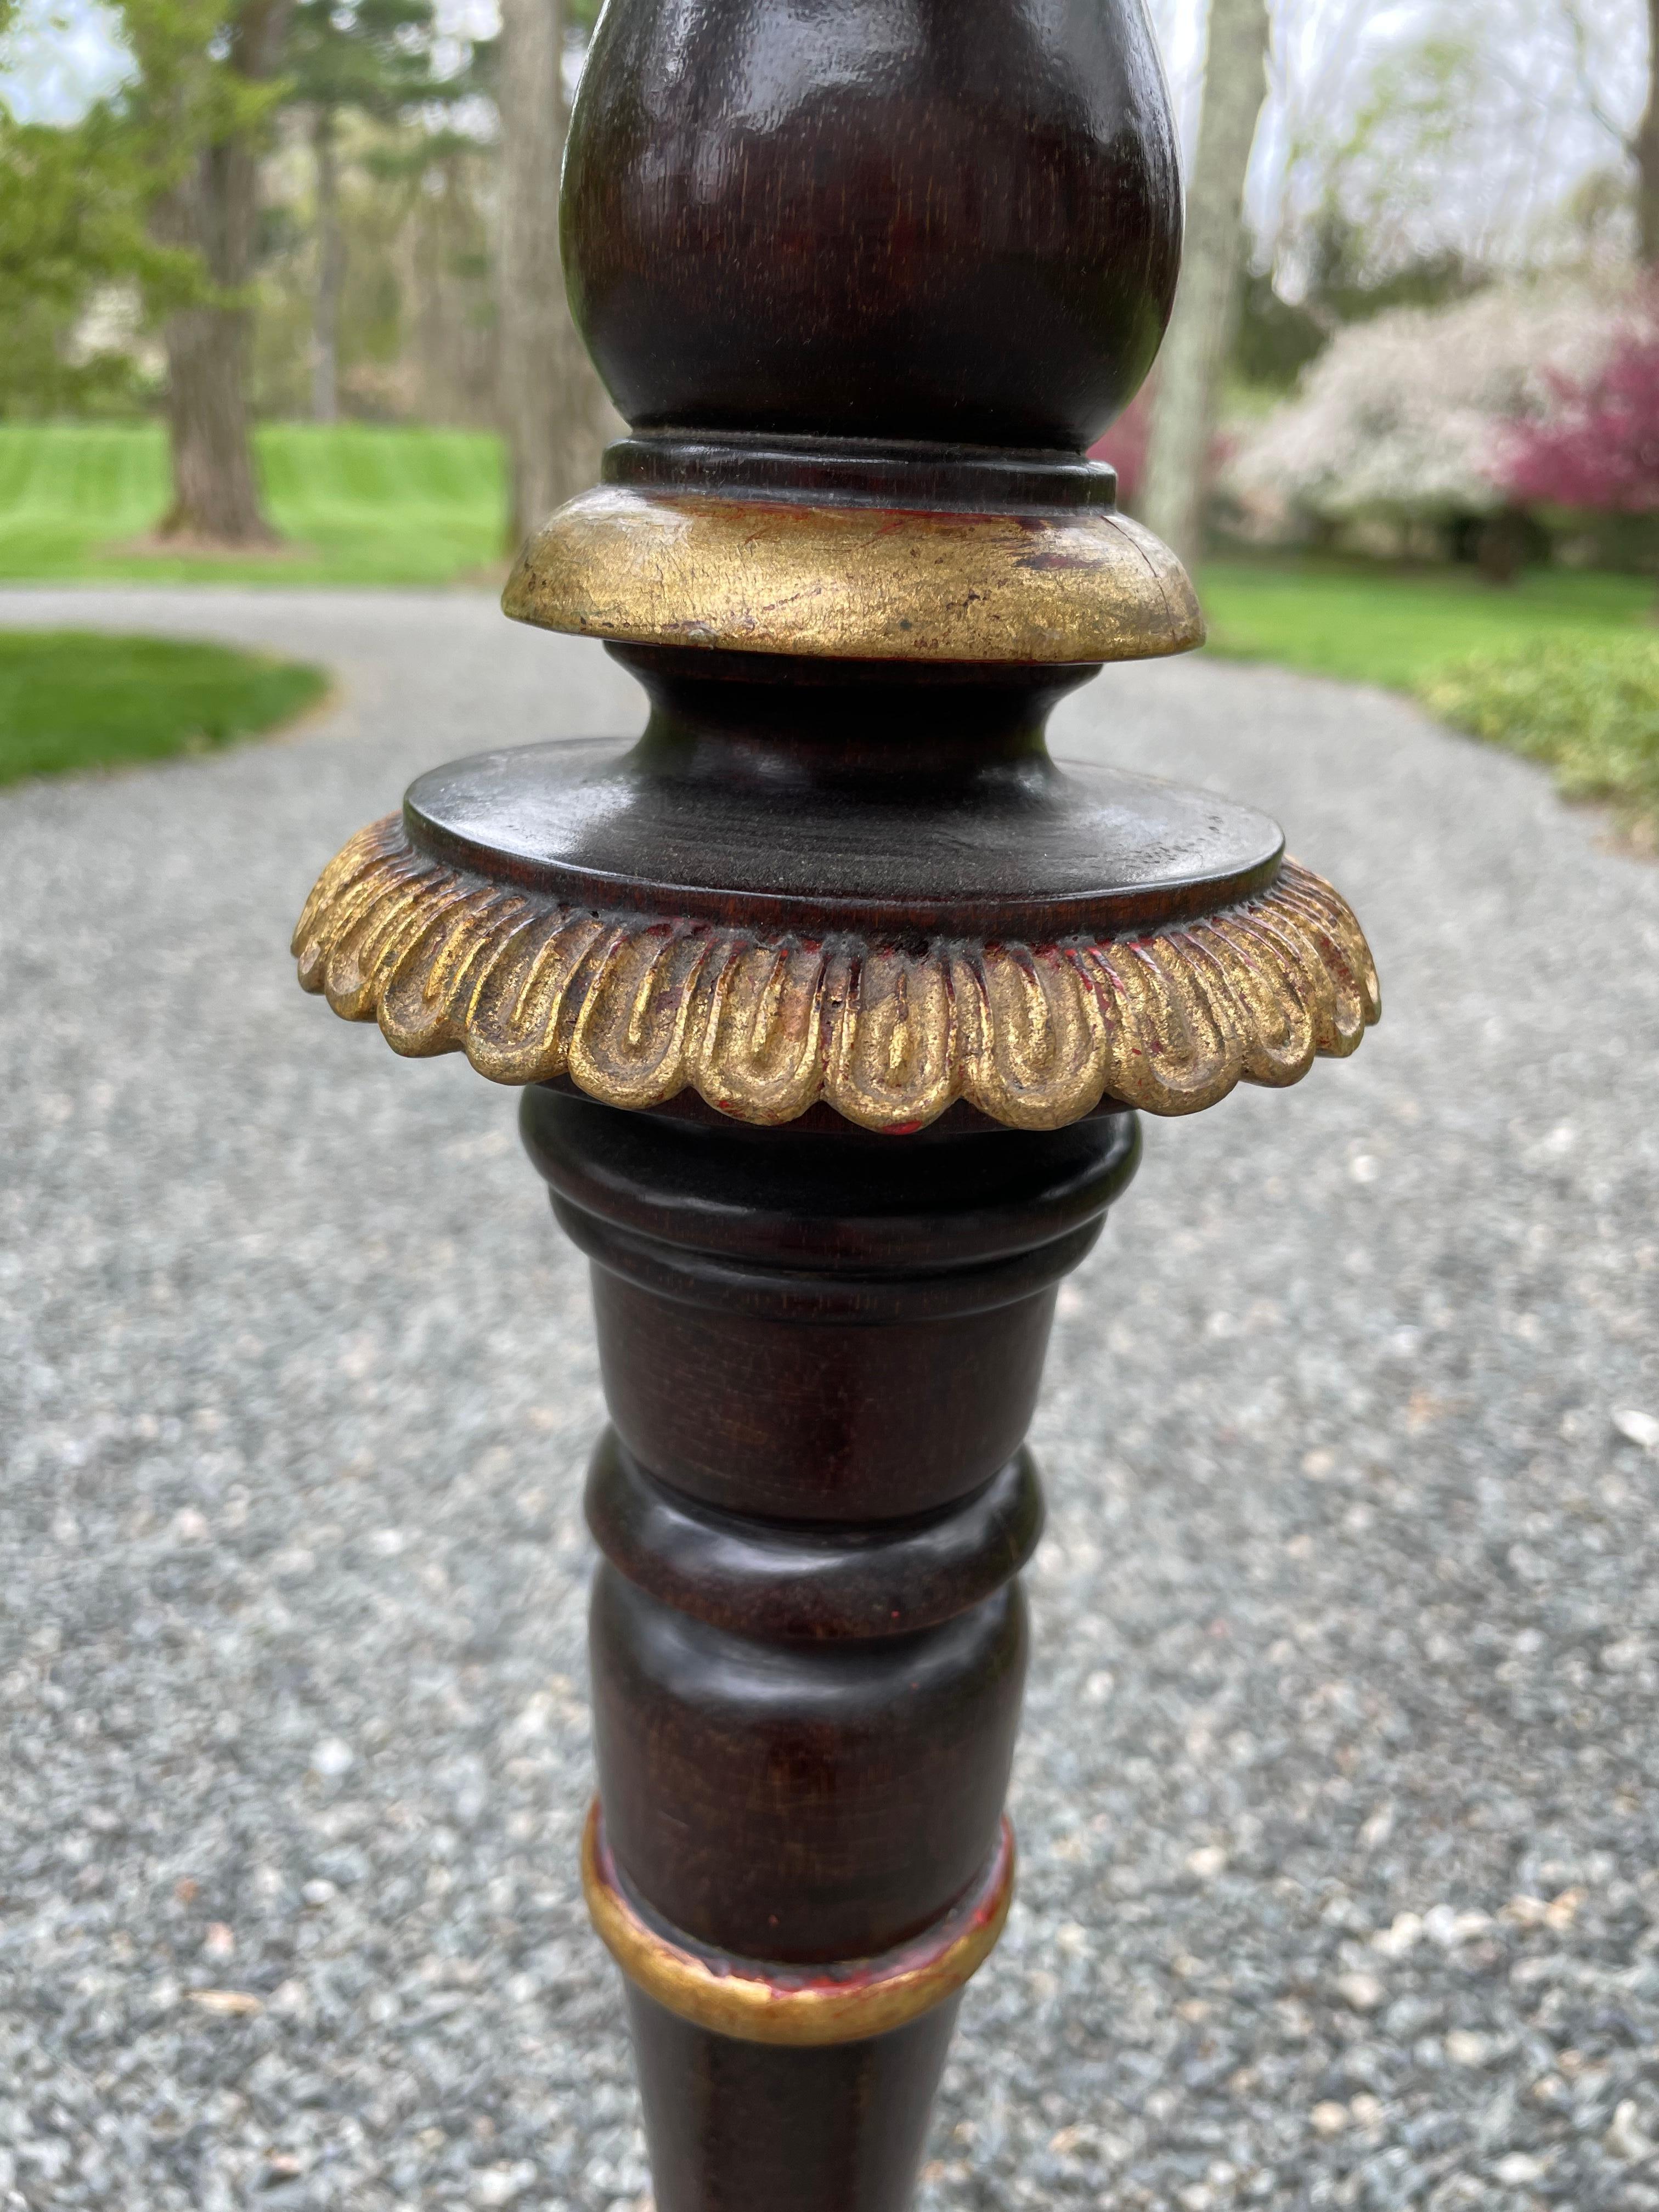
{"points": [[637, 1008], [759, 2003], [854, 582]]}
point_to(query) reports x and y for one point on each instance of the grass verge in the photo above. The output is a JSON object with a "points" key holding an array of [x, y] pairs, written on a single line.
{"points": [[1561, 667], [1586, 704], [71, 699]]}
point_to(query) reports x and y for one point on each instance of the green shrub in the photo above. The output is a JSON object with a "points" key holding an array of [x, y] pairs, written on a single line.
{"points": [[1588, 705], [71, 699]]}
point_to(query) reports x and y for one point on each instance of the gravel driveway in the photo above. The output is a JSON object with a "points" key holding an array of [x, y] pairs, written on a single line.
{"points": [[1337, 1798]]}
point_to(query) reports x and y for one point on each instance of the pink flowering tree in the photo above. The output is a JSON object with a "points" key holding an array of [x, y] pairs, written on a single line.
{"points": [[1599, 448], [1125, 446], [1128, 441]]}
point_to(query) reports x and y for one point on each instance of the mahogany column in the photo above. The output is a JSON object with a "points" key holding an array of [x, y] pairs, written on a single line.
{"points": [[808, 1641], [831, 997]]}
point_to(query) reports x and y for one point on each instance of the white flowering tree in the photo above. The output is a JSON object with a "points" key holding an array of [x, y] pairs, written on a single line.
{"points": [[1405, 418]]}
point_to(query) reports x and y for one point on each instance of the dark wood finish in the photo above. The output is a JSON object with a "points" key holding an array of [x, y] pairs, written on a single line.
{"points": [[872, 256], [771, 1304], [920, 474], [735, 2127], [822, 1583], [810, 796], [904, 258], [910, 258], [820, 1352], [933, 221]]}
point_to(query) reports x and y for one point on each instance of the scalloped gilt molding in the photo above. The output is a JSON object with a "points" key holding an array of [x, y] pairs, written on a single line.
{"points": [[635, 1008]]}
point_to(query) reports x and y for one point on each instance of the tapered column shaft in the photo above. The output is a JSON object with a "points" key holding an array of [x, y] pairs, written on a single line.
{"points": [[821, 1351], [748, 2127]]}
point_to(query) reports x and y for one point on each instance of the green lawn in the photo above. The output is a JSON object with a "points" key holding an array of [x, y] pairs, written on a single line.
{"points": [[1555, 666], [358, 505], [1371, 625], [73, 699], [363, 505]]}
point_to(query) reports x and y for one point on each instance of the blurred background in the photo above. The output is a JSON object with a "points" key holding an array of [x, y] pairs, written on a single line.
{"points": [[278, 286]]}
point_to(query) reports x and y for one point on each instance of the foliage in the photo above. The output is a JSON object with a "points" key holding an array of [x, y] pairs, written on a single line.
{"points": [[71, 700], [1344, 281], [1562, 667], [1588, 705], [1276, 338], [359, 505], [73, 209], [418, 302], [1344, 278], [375, 56], [1347, 287], [83, 206], [79, 203], [1374, 187], [1600, 450], [1450, 140], [1368, 625], [186, 91], [190, 96], [1404, 414], [364, 72]]}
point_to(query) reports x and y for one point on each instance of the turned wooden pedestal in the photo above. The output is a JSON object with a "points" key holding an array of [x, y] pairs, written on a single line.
{"points": [[833, 997], [820, 1353]]}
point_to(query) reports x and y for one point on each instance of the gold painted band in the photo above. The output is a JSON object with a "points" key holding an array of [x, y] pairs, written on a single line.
{"points": [[860, 582], [757, 2002]]}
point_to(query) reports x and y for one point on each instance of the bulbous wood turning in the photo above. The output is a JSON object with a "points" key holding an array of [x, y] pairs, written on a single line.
{"points": [[867, 279], [890, 219]]}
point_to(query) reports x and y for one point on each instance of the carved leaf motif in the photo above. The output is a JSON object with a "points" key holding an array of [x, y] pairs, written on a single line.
{"points": [[1042, 1053], [1177, 1047], [637, 1024], [1281, 1000], [426, 1004], [523, 1013], [759, 1054], [1308, 906], [366, 955], [358, 894], [339, 884], [890, 1061], [636, 1007]]}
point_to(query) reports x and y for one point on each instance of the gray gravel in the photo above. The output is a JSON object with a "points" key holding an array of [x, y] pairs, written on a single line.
{"points": [[1337, 1794]]}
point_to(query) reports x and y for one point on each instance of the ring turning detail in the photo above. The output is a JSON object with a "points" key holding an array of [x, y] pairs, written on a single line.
{"points": [[803, 2006], [637, 1008]]}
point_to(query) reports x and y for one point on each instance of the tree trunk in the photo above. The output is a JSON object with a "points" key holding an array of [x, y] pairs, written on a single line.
{"points": [[331, 273], [1206, 305], [1647, 151], [216, 494], [554, 409]]}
